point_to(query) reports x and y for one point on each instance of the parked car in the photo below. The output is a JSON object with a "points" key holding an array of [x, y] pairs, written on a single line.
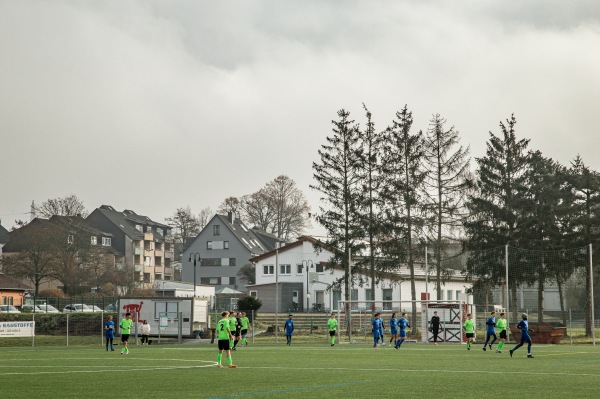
{"points": [[95, 308], [47, 308], [111, 307], [77, 307], [9, 309], [32, 309]]}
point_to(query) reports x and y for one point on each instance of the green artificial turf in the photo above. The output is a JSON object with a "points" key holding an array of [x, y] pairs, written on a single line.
{"points": [[300, 371]]}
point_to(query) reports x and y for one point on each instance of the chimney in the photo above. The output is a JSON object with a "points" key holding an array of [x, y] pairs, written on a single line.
{"points": [[230, 217]]}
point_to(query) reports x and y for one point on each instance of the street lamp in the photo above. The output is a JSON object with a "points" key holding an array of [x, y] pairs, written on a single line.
{"points": [[196, 257], [305, 265]]}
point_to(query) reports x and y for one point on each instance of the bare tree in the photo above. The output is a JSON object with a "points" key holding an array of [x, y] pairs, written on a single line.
{"points": [[204, 217], [184, 223], [30, 254], [446, 187], [279, 208], [72, 253], [65, 206], [229, 204]]}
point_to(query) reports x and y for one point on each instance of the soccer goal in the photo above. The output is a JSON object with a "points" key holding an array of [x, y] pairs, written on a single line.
{"points": [[354, 319]]}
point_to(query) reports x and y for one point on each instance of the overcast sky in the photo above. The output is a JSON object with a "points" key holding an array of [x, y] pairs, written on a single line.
{"points": [[155, 105]]}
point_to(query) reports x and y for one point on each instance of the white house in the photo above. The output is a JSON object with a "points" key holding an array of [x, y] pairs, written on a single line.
{"points": [[305, 281]]}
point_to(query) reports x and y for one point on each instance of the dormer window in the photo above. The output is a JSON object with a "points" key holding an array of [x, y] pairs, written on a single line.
{"points": [[106, 241], [138, 227]]}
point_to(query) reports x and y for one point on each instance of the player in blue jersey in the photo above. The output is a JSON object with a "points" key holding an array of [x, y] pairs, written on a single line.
{"points": [[109, 328], [381, 329], [289, 329], [524, 327], [376, 328], [490, 330], [393, 328], [402, 323]]}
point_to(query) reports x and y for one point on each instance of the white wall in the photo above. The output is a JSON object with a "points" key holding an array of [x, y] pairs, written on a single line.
{"points": [[401, 290]]}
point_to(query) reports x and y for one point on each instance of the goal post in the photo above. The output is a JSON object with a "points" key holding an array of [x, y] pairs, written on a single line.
{"points": [[356, 323]]}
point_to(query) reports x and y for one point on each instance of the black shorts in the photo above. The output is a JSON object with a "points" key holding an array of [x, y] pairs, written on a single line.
{"points": [[124, 337], [223, 344], [244, 332], [332, 333], [470, 335], [503, 335], [237, 333]]}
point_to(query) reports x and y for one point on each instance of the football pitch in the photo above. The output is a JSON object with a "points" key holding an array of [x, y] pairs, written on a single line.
{"points": [[301, 371]]}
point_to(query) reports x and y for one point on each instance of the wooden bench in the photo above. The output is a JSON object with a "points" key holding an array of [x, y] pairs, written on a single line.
{"points": [[543, 333]]}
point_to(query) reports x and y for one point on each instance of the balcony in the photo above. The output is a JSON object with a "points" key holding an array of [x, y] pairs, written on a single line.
{"points": [[168, 271], [149, 236], [137, 250], [169, 254], [138, 268], [158, 252], [120, 267]]}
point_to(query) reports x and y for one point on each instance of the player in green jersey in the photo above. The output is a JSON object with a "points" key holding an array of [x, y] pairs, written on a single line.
{"points": [[469, 327], [224, 336], [332, 326], [502, 325], [125, 325], [245, 327], [232, 327]]}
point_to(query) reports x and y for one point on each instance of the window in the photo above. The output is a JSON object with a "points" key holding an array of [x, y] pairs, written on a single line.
{"points": [[210, 280], [146, 277], [93, 240], [216, 244], [231, 261], [225, 244], [253, 294], [216, 230], [319, 268], [231, 280], [138, 228], [285, 269], [387, 297], [106, 241], [449, 295], [211, 262], [299, 269], [458, 292], [147, 261], [268, 269], [70, 239], [170, 308]]}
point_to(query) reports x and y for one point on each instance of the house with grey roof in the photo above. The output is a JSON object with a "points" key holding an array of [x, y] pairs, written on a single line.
{"points": [[146, 245], [72, 235], [4, 237], [223, 246]]}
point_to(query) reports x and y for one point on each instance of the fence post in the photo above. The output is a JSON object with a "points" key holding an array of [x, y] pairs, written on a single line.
{"points": [[33, 335], [67, 329], [571, 326], [179, 327]]}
